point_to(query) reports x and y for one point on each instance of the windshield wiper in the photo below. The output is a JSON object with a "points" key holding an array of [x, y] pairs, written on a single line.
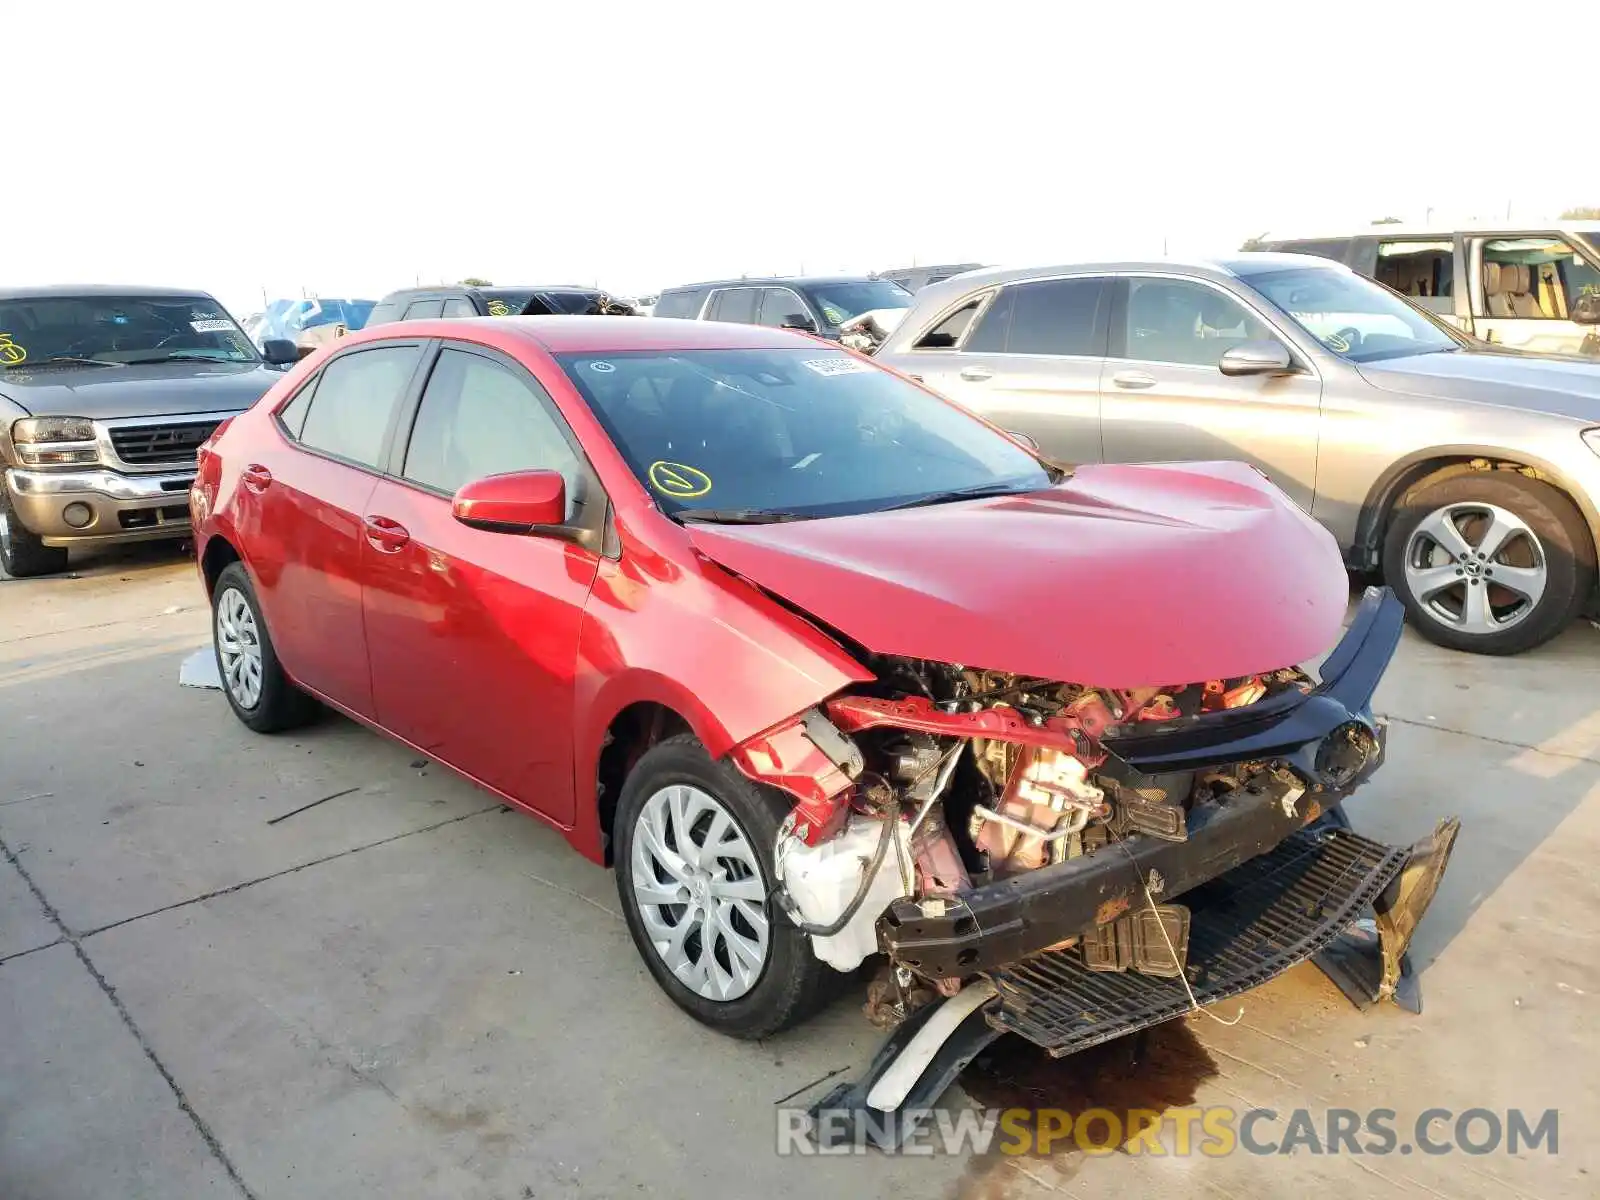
{"points": [[161, 358], [71, 360], [966, 493], [738, 516]]}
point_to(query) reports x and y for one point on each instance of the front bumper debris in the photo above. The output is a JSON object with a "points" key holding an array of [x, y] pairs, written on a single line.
{"points": [[1309, 734]]}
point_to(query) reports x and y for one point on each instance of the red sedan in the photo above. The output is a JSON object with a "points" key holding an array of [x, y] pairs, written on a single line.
{"points": [[823, 665]]}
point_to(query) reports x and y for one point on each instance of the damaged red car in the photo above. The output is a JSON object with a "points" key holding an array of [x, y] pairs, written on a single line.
{"points": [[826, 668]]}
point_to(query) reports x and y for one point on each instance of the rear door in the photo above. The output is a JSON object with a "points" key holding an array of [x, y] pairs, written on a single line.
{"points": [[1164, 398], [1028, 358], [302, 503], [474, 635]]}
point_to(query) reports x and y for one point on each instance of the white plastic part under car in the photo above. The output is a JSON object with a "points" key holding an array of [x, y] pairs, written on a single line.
{"points": [[823, 880]]}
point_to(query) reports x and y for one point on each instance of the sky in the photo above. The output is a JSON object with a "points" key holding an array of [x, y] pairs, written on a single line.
{"points": [[347, 149]]}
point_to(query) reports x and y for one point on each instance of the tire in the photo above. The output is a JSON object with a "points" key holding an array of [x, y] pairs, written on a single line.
{"points": [[1465, 600], [22, 554], [274, 704], [791, 982]]}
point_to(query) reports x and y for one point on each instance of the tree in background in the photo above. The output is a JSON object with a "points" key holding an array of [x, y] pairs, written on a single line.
{"points": [[474, 281], [1581, 214], [1388, 221]]}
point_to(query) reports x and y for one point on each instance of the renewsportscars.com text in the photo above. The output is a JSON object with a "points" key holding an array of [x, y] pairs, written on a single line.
{"points": [[1212, 1131]]}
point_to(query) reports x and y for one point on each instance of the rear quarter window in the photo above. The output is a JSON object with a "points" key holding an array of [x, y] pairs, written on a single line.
{"points": [[680, 304]]}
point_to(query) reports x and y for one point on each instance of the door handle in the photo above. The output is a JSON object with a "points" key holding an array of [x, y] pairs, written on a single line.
{"points": [[1133, 379], [976, 374], [386, 536], [256, 477]]}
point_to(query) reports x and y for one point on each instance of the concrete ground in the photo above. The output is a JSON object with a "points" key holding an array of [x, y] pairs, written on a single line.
{"points": [[406, 991]]}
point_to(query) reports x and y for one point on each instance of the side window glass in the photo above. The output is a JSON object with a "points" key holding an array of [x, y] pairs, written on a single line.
{"points": [[355, 400], [779, 305], [1056, 316], [1535, 278], [735, 304], [383, 313], [1422, 271], [423, 309], [1173, 321], [994, 327], [459, 306], [947, 332], [292, 416], [477, 418]]}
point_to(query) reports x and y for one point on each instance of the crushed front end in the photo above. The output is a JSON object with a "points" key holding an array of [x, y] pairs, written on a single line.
{"points": [[1073, 863]]}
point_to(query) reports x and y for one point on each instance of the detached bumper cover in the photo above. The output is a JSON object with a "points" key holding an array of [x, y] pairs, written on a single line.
{"points": [[1000, 923]]}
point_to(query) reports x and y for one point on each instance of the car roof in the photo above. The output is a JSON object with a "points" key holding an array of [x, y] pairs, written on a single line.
{"points": [[86, 291], [764, 280], [1436, 230], [488, 289], [586, 334]]}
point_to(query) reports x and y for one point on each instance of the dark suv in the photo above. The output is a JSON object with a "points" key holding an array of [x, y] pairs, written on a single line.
{"points": [[415, 304], [105, 395], [815, 304]]}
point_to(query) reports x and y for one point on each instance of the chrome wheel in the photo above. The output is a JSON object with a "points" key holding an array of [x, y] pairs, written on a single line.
{"points": [[238, 648], [1476, 567], [699, 893]]}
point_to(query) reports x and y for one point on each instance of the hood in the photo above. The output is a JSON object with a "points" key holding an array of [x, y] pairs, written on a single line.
{"points": [[150, 390], [1122, 576], [1568, 387]]}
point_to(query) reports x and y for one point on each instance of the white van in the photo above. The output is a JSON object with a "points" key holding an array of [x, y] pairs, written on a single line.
{"points": [[1510, 284]]}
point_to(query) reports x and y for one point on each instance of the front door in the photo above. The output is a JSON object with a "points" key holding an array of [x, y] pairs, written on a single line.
{"points": [[473, 635], [1524, 287], [300, 517], [1164, 399], [1030, 363]]}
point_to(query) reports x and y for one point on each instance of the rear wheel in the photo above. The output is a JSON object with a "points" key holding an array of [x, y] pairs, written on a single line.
{"points": [[694, 853], [258, 691], [22, 554], [1492, 563]]}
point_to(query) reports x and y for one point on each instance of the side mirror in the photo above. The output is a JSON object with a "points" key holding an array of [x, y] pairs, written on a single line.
{"points": [[1256, 358], [519, 502], [280, 352], [1025, 439], [799, 321], [1586, 309]]}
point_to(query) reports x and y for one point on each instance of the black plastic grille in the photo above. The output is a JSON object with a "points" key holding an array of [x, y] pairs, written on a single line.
{"points": [[1247, 926], [142, 445]]}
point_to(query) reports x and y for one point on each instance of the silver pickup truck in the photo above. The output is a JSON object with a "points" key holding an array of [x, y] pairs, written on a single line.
{"points": [[105, 395]]}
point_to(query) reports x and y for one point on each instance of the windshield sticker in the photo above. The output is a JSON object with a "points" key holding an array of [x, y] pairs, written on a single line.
{"points": [[834, 315], [602, 366], [1336, 343], [678, 481], [11, 353], [211, 326], [836, 366], [499, 308]]}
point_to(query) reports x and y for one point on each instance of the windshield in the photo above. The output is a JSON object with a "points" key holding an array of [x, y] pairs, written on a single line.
{"points": [[806, 431], [119, 329], [841, 301], [1351, 316]]}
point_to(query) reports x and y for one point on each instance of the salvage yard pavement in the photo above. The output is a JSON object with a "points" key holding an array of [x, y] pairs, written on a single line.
{"points": [[318, 966]]}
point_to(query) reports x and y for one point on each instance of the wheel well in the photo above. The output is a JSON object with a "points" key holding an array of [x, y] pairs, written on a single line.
{"points": [[631, 732], [1380, 507], [219, 553]]}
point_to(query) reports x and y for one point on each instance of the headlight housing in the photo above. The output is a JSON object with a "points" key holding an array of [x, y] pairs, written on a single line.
{"points": [[55, 441], [1592, 437]]}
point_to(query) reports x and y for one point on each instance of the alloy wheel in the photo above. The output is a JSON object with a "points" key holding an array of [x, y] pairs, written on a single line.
{"points": [[700, 896], [1476, 567], [239, 648]]}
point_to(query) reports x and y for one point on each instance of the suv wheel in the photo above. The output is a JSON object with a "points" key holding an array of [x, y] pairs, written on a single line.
{"points": [[22, 554], [1489, 563], [694, 852], [258, 691]]}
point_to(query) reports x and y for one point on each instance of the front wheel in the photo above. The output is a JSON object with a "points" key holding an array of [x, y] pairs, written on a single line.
{"points": [[1491, 563], [694, 847], [22, 554]]}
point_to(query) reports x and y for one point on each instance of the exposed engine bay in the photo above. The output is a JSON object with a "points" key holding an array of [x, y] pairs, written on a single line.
{"points": [[1034, 834]]}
